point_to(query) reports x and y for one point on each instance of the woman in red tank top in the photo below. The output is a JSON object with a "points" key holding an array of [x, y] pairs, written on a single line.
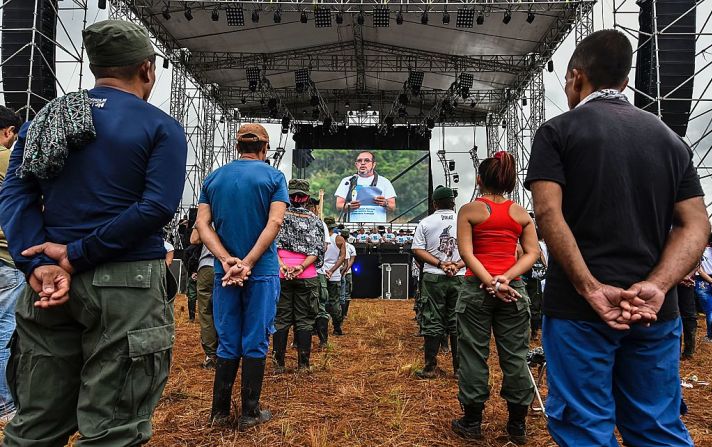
{"points": [[493, 298]]}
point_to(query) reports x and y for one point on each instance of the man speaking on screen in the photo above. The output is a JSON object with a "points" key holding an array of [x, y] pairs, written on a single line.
{"points": [[365, 196]]}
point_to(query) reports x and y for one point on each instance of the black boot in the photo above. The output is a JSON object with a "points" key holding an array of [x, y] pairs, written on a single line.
{"points": [[279, 348], [191, 310], [517, 423], [322, 330], [689, 331], [225, 373], [337, 328], [304, 341], [444, 348], [345, 309], [253, 371], [431, 345], [470, 425], [455, 358]]}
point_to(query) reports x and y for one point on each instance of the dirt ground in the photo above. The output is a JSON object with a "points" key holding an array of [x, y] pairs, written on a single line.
{"points": [[362, 392]]}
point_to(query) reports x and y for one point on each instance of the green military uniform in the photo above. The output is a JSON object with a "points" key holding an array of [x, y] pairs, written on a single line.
{"points": [[298, 304], [480, 314], [208, 335], [192, 293], [439, 297], [323, 296], [110, 345]]}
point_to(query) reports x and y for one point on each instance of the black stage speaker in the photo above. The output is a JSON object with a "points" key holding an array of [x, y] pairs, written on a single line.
{"points": [[16, 53], [677, 60], [366, 277], [192, 215]]}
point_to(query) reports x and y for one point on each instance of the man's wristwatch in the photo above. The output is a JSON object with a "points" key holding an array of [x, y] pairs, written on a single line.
{"points": [[440, 265]]}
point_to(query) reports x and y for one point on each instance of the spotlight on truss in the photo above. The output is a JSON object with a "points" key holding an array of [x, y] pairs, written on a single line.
{"points": [[339, 18], [215, 16], [424, 18], [304, 18], [255, 16], [399, 18], [188, 13], [480, 19], [322, 17], [415, 81], [235, 16], [507, 17], [530, 17], [166, 13], [253, 78], [277, 16], [446, 18], [360, 19], [550, 66], [466, 81], [301, 79], [465, 18], [382, 17]]}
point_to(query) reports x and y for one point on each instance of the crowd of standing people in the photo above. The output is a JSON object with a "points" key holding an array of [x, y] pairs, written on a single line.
{"points": [[86, 303]]}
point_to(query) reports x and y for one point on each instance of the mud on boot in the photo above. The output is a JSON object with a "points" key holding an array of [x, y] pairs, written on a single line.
{"points": [[517, 425]]}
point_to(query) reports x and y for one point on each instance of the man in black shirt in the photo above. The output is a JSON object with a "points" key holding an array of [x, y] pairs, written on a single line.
{"points": [[620, 206]]}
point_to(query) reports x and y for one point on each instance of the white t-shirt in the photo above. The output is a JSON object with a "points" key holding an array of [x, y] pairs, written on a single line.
{"points": [[390, 237], [374, 238], [327, 240], [168, 246], [330, 258], [707, 260], [363, 238], [350, 253], [544, 251], [401, 239], [437, 234]]}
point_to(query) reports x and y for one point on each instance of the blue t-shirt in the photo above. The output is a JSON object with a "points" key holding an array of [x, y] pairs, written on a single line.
{"points": [[113, 196], [239, 195]]}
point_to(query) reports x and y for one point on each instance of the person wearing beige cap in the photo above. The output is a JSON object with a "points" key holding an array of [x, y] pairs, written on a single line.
{"points": [[245, 200], [92, 181]]}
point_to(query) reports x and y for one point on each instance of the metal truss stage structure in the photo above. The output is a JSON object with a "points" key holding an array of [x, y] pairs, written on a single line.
{"points": [[417, 63]]}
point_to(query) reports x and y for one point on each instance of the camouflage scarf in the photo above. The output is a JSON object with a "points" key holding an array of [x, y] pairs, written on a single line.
{"points": [[64, 124]]}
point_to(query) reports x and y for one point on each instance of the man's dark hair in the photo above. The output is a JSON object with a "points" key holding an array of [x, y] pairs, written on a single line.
{"points": [[448, 203], [124, 73], [249, 147], [8, 118], [605, 56]]}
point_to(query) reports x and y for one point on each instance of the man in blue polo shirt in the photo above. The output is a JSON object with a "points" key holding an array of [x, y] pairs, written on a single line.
{"points": [[245, 201], [91, 183]]}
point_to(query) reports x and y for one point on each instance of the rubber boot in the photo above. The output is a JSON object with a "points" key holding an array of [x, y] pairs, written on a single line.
{"points": [[279, 348], [517, 423], [225, 373], [345, 309], [253, 371], [304, 343], [444, 348], [470, 425], [322, 330], [453, 351], [337, 328], [431, 345], [689, 331]]}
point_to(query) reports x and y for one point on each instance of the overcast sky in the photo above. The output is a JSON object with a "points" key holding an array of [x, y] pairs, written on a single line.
{"points": [[457, 141]]}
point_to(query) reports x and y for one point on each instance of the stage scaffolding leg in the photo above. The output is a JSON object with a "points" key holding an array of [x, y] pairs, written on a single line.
{"points": [[493, 123], [515, 144], [584, 21]]}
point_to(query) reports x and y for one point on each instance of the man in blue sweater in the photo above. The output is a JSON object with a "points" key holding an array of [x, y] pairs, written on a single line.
{"points": [[83, 217]]}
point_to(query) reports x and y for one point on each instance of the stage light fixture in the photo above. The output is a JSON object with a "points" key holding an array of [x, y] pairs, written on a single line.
{"points": [[215, 16], [253, 78], [424, 18], [507, 17], [472, 104], [166, 64], [339, 18], [322, 17], [446, 18], [243, 100], [480, 19], [466, 81], [166, 13], [277, 16], [285, 124], [235, 16], [360, 19], [454, 192], [381, 17], [524, 101], [451, 165], [530, 17], [347, 105], [101, 4], [504, 124], [465, 18], [399, 18], [235, 115], [255, 16], [369, 106], [222, 120], [550, 66], [301, 79], [415, 81], [456, 178], [304, 17], [430, 123], [188, 13]]}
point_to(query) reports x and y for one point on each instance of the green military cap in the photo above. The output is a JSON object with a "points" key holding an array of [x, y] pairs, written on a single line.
{"points": [[116, 43], [298, 185], [345, 234], [443, 192], [330, 221]]}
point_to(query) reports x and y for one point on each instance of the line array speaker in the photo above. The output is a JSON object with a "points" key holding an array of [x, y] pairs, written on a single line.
{"points": [[676, 53], [15, 44]]}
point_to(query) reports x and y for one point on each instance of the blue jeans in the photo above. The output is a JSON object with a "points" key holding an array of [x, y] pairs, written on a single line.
{"points": [[600, 378], [12, 284], [244, 316], [703, 290]]}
